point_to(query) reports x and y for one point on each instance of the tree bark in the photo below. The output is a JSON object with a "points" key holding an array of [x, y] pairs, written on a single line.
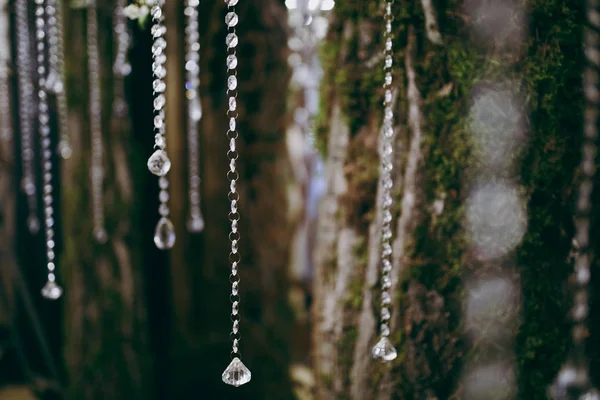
{"points": [[106, 325], [436, 67]]}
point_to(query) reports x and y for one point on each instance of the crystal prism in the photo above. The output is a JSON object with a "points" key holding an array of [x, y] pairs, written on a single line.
{"points": [[164, 235], [384, 350], [51, 290], [158, 163], [236, 374], [195, 224]]}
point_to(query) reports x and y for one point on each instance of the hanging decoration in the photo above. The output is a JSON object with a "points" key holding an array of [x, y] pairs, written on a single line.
{"points": [[384, 350], [573, 380], [97, 147], [236, 374], [121, 65], [51, 290], [195, 222], [159, 163], [26, 113], [56, 73]]}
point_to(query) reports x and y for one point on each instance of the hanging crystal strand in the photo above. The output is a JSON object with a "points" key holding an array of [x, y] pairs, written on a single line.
{"points": [[56, 74], [97, 150], [384, 350], [236, 374], [51, 290], [6, 122], [26, 113], [159, 163], [121, 66], [195, 220], [573, 380]]}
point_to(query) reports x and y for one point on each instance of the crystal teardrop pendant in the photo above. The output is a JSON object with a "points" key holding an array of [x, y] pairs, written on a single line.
{"points": [[164, 235], [384, 350], [195, 224], [158, 163], [51, 291], [236, 374]]}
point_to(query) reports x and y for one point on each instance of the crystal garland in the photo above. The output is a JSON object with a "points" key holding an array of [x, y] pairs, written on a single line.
{"points": [[573, 380], [97, 147], [236, 373], [195, 220], [56, 74], [121, 67], [51, 290], [159, 163], [383, 349], [26, 110]]}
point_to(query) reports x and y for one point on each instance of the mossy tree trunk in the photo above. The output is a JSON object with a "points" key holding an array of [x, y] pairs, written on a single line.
{"points": [[106, 324], [433, 84]]}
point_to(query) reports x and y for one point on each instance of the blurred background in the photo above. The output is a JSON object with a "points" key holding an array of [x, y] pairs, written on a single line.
{"points": [[488, 136]]}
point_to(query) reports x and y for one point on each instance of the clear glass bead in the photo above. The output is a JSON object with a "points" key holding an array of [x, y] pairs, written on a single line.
{"points": [[232, 104], [388, 44], [232, 124], [158, 46], [195, 110], [385, 313], [231, 40], [164, 235], [33, 224], [195, 224], [231, 19], [158, 30], [386, 298], [158, 163], [163, 183], [388, 61], [232, 82], [384, 350], [51, 290], [232, 61], [100, 235], [236, 374], [65, 150], [231, 3], [54, 82], [159, 85], [159, 102]]}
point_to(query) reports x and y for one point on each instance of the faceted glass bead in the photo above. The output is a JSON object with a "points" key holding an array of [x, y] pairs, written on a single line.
{"points": [[384, 350], [388, 61], [385, 313], [158, 163], [232, 82], [232, 61], [231, 40], [164, 235], [195, 224], [158, 30], [51, 291], [232, 104], [159, 102], [231, 19], [236, 374], [231, 3], [388, 78]]}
